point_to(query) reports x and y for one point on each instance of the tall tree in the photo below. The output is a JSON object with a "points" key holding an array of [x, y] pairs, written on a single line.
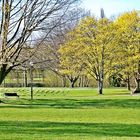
{"points": [[69, 62], [127, 40], [58, 38], [89, 45], [22, 22]]}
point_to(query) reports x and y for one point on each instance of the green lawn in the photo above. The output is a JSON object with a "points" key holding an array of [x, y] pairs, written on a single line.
{"points": [[70, 114]]}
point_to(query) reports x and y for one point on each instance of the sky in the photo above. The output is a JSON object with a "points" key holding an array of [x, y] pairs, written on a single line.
{"points": [[111, 7]]}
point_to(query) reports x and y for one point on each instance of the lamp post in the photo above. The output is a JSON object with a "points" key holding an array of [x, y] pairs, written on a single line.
{"points": [[31, 79], [24, 77]]}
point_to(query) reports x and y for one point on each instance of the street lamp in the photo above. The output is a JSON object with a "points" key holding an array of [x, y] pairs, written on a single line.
{"points": [[31, 78]]}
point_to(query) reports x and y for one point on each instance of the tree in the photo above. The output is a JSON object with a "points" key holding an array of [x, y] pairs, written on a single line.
{"points": [[21, 23], [91, 41], [69, 65], [127, 39], [58, 38]]}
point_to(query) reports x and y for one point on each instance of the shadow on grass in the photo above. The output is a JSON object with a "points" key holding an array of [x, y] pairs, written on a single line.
{"points": [[59, 128], [73, 103]]}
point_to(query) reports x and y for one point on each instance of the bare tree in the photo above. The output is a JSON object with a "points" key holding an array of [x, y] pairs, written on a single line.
{"points": [[22, 22], [58, 37]]}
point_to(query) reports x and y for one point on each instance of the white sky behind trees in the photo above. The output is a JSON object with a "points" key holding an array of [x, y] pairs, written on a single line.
{"points": [[111, 7]]}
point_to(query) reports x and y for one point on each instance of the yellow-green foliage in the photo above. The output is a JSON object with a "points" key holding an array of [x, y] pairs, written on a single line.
{"points": [[103, 46], [127, 43], [88, 45]]}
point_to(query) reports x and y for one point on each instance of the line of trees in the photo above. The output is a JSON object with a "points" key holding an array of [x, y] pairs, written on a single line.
{"points": [[102, 48], [24, 23]]}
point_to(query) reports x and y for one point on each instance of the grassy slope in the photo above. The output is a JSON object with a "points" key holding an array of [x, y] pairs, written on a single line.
{"points": [[65, 114]]}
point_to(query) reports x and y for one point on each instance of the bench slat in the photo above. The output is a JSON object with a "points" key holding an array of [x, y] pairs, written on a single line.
{"points": [[11, 94]]}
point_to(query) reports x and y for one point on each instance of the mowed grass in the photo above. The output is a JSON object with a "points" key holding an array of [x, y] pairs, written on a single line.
{"points": [[70, 114]]}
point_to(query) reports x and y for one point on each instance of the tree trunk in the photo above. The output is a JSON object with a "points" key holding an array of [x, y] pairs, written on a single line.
{"points": [[43, 75], [101, 80], [80, 81], [137, 89], [128, 84], [100, 86], [137, 81], [17, 77], [64, 81], [2, 77], [4, 72], [72, 84], [86, 81], [25, 78], [73, 81]]}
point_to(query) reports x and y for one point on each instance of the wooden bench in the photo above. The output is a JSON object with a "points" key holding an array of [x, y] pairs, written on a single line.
{"points": [[10, 95]]}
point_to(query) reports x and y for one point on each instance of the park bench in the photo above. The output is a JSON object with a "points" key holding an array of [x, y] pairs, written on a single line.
{"points": [[11, 95]]}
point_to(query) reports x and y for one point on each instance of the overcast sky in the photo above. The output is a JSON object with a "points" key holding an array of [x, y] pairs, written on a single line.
{"points": [[111, 7]]}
